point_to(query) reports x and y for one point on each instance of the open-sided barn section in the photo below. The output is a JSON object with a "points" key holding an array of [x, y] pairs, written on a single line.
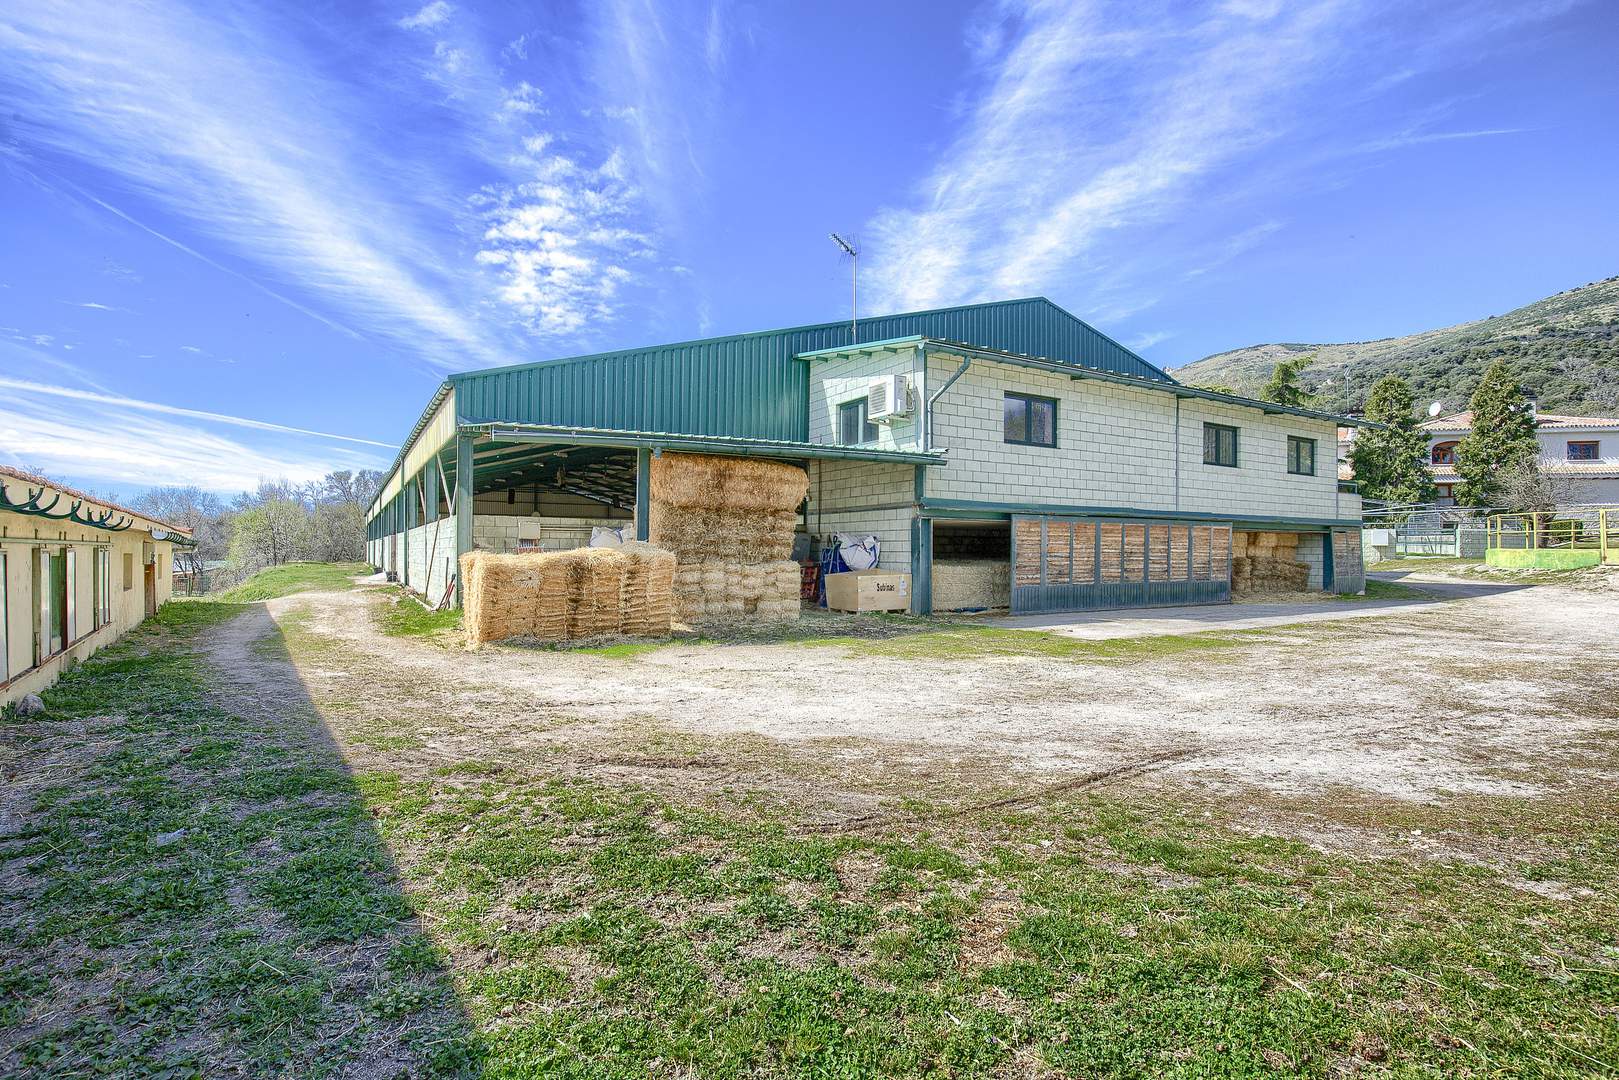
{"points": [[1029, 459]]}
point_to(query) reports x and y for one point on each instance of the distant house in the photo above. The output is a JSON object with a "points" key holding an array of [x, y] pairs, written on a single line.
{"points": [[76, 572], [1581, 451]]}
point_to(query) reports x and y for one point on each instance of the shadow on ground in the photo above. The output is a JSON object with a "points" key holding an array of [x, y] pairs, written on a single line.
{"points": [[193, 883]]}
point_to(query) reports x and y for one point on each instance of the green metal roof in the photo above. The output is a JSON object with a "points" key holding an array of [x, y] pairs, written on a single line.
{"points": [[705, 444], [751, 386], [747, 385]]}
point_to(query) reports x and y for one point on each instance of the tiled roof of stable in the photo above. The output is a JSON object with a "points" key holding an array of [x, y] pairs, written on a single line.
{"points": [[35, 480]]}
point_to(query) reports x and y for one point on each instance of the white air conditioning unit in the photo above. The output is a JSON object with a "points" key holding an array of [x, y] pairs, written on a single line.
{"points": [[887, 398]]}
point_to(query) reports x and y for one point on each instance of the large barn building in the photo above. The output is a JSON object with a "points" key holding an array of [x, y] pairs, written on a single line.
{"points": [[1009, 431]]}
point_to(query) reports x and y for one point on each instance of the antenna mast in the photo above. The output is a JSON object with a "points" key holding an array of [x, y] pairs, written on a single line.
{"points": [[854, 286]]}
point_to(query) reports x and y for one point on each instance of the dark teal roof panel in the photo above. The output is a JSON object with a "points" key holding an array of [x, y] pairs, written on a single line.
{"points": [[748, 385]]}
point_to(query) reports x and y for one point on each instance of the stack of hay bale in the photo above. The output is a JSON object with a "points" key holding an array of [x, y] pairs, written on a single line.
{"points": [[971, 584], [1267, 562], [729, 522], [560, 595]]}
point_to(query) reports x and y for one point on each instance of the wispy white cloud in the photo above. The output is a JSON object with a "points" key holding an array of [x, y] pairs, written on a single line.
{"points": [[1061, 149], [199, 114], [190, 349], [1086, 125], [1417, 138], [560, 242], [429, 15], [127, 447], [1143, 342], [1234, 247], [119, 401]]}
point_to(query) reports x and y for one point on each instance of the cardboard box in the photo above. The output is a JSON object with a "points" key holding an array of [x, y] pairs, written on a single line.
{"points": [[868, 590]]}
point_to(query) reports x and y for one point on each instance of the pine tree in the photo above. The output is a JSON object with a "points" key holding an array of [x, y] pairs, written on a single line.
{"points": [[1285, 386], [1390, 462], [1503, 434]]}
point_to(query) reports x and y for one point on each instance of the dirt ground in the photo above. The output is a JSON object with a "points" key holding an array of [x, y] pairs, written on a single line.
{"points": [[1473, 697]]}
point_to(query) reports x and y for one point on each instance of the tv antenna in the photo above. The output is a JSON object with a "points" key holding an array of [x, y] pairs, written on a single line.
{"points": [[854, 285], [1436, 408]]}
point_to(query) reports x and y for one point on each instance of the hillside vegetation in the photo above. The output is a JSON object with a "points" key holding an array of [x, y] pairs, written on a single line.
{"points": [[292, 578], [1564, 349]]}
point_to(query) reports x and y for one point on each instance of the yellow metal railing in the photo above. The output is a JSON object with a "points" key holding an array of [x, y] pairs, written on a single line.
{"points": [[1583, 529]]}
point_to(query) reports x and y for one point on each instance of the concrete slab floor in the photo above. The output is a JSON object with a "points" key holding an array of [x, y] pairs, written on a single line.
{"points": [[1152, 622]]}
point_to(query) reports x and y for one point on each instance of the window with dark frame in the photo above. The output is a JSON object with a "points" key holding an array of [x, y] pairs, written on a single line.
{"points": [[1443, 454], [1220, 445], [853, 427], [1583, 451], [1029, 420], [1300, 456]]}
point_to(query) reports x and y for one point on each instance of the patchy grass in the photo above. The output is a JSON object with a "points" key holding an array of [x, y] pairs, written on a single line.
{"points": [[506, 919], [401, 615], [1386, 590], [293, 578], [190, 893]]}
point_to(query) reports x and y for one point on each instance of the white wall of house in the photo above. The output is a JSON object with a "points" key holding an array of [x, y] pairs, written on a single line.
{"points": [[1116, 445], [868, 498], [129, 552]]}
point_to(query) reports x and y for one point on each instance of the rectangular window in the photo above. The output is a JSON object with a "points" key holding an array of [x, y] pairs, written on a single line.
{"points": [[1030, 421], [129, 570], [853, 427], [103, 589], [1583, 451], [1219, 445], [1300, 456], [70, 596]]}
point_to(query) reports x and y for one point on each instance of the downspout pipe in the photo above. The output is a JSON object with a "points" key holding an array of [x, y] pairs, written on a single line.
{"points": [[933, 399]]}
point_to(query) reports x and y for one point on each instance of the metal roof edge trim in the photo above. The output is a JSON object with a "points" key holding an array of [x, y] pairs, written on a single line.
{"points": [[723, 444], [410, 440], [864, 346], [965, 506]]}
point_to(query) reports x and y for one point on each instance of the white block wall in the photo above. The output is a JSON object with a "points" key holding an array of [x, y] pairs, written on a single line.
{"points": [[1116, 447], [836, 381], [500, 532], [866, 498], [1312, 553], [429, 552]]}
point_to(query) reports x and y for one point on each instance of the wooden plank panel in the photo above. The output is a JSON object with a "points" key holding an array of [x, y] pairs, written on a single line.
{"points": [[1059, 551], [1201, 541], [1112, 553], [1179, 553], [1158, 553], [1084, 552], [1135, 552], [1026, 560]]}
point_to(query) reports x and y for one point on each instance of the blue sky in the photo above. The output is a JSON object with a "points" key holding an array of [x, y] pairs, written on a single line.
{"points": [[245, 241]]}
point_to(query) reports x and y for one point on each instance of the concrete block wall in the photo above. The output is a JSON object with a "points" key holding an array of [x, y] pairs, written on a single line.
{"points": [[429, 557], [1312, 548], [501, 532], [866, 498], [842, 379], [1116, 446]]}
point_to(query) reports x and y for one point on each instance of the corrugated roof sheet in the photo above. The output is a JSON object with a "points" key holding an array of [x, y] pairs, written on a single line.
{"points": [[747, 385]]}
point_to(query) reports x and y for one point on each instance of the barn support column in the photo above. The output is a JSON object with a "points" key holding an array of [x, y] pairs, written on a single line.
{"points": [[643, 492], [921, 550], [463, 508]]}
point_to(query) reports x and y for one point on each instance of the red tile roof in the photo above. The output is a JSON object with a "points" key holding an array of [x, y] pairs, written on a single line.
{"points": [[36, 480]]}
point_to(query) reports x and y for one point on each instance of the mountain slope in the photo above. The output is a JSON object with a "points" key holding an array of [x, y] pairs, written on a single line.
{"points": [[1565, 349]]}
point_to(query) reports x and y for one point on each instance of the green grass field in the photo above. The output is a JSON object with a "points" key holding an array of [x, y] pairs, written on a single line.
{"points": [[293, 578]]}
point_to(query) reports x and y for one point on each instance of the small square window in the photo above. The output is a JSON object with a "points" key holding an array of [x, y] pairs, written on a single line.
{"points": [[1029, 420], [1300, 456], [853, 427], [1220, 445], [1584, 451]]}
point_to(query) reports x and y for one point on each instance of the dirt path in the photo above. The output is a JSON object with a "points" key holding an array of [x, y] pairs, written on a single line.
{"points": [[1471, 697]]}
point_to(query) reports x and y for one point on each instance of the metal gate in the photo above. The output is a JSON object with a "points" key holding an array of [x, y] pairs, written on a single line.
{"points": [[1082, 564]]}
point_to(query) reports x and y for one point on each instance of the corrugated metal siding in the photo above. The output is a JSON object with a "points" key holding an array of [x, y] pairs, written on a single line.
{"points": [[750, 385]]}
